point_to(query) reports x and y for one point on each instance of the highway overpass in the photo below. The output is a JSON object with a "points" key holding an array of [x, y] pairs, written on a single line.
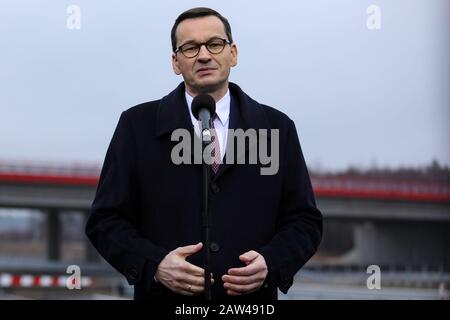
{"points": [[385, 221]]}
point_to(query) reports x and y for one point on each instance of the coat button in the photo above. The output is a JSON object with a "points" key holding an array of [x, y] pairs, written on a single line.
{"points": [[215, 188], [132, 274], [214, 246]]}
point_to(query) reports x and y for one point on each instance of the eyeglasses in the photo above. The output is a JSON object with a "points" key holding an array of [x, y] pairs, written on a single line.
{"points": [[191, 49]]}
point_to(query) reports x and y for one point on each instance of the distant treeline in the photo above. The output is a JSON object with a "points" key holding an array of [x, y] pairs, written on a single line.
{"points": [[433, 172]]}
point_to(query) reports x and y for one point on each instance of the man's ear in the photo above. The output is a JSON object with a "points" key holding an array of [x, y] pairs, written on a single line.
{"points": [[175, 64], [234, 55]]}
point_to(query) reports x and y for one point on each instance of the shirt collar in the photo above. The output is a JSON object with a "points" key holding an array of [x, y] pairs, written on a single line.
{"points": [[222, 107]]}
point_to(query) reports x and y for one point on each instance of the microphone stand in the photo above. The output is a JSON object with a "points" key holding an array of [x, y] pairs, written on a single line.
{"points": [[206, 220]]}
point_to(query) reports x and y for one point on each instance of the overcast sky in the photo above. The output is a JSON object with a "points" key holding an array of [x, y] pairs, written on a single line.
{"points": [[357, 96]]}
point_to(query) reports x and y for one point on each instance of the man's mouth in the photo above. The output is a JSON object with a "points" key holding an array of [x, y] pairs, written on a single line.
{"points": [[201, 70]]}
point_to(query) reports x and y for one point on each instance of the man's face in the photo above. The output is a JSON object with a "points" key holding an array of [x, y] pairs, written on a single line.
{"points": [[206, 72]]}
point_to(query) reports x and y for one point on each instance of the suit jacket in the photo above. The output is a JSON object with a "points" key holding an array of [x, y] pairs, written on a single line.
{"points": [[145, 205]]}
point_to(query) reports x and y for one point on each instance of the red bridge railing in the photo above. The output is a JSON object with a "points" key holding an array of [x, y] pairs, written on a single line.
{"points": [[325, 185]]}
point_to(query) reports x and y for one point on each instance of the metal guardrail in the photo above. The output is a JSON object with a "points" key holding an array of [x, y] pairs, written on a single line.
{"points": [[69, 169]]}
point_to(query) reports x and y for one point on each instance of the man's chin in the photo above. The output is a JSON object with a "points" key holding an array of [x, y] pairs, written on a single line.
{"points": [[209, 86]]}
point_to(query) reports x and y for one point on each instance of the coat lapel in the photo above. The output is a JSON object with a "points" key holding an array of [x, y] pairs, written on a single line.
{"points": [[173, 112], [245, 114]]}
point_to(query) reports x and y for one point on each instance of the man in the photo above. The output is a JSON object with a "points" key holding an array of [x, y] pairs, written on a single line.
{"points": [[146, 216]]}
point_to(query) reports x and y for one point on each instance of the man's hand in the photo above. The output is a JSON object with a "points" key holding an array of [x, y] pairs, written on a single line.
{"points": [[180, 276], [246, 279]]}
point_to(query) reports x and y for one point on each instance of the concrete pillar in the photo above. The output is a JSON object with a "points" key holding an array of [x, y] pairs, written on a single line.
{"points": [[53, 235], [90, 253], [407, 244]]}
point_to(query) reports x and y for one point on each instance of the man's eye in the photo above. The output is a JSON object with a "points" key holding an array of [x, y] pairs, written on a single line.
{"points": [[215, 45], [190, 48]]}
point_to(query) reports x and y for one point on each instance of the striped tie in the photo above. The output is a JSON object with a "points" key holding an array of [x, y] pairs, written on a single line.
{"points": [[215, 147]]}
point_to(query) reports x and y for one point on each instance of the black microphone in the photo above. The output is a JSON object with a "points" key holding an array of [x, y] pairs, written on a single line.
{"points": [[203, 107]]}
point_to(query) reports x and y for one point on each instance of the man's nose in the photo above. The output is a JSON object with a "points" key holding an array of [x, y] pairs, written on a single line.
{"points": [[203, 54]]}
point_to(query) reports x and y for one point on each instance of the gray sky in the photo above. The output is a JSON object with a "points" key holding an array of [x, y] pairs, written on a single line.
{"points": [[357, 96]]}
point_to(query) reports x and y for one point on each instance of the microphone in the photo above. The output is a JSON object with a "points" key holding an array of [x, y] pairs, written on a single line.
{"points": [[203, 107]]}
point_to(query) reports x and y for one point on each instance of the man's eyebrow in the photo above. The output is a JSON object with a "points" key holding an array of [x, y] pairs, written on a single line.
{"points": [[189, 41], [193, 41]]}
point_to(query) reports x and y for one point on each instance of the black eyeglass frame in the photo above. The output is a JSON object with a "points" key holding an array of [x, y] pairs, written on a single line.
{"points": [[199, 45]]}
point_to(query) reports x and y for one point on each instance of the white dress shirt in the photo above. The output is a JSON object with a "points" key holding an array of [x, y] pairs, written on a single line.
{"points": [[220, 123]]}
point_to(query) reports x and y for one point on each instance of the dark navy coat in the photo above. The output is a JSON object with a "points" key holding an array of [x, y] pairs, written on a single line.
{"points": [[145, 205]]}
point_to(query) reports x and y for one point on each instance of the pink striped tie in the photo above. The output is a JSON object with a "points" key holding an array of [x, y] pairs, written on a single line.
{"points": [[215, 146]]}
